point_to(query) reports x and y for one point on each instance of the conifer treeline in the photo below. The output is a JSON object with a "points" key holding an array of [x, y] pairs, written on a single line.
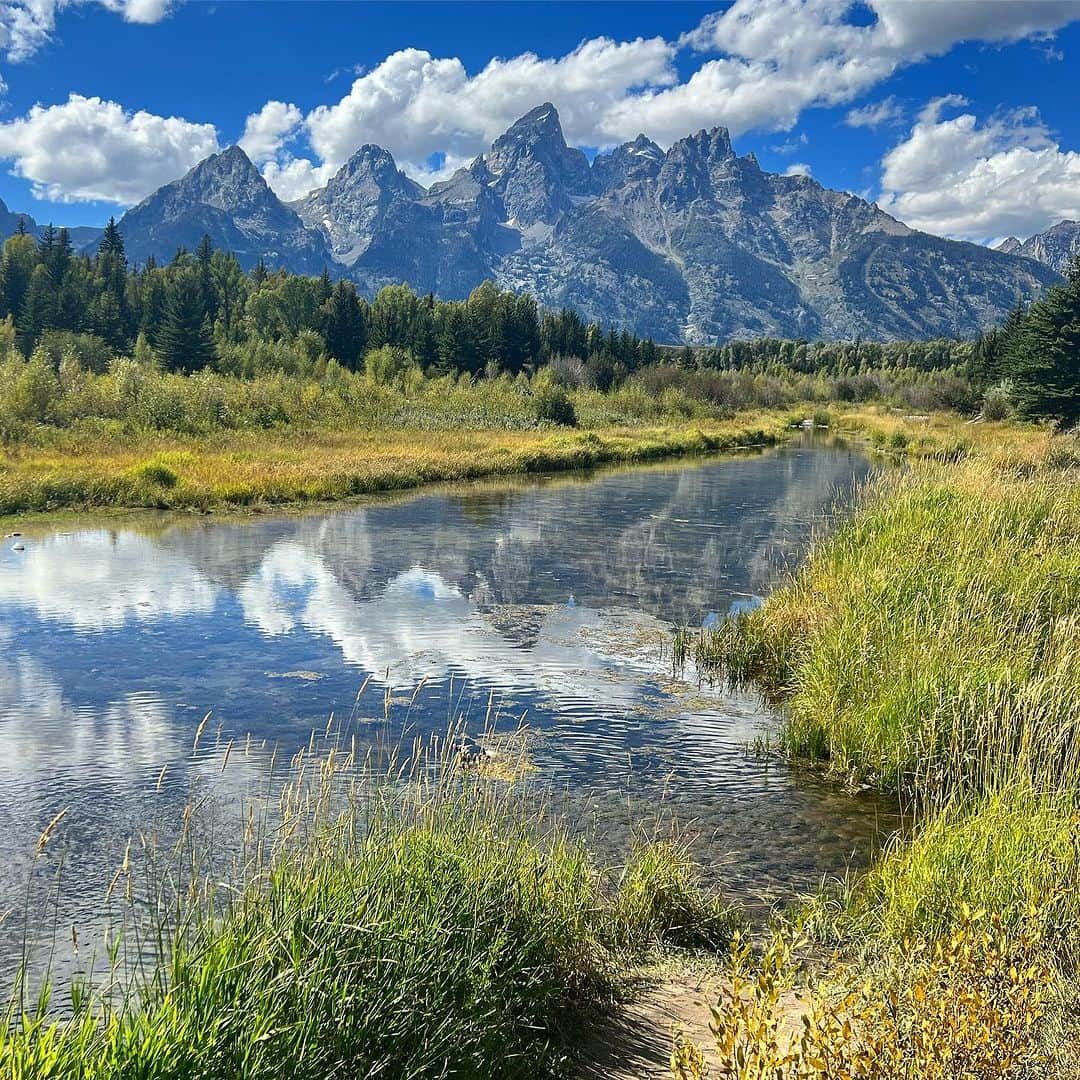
{"points": [[202, 310], [1035, 355]]}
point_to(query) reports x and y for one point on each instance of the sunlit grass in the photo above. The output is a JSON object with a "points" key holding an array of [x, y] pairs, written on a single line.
{"points": [[272, 467], [414, 919]]}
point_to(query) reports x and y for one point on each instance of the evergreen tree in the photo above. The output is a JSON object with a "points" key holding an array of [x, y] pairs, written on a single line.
{"points": [[38, 310], [344, 331], [455, 346], [20, 258], [185, 342], [152, 305], [1042, 355], [62, 255], [111, 242], [204, 255]]}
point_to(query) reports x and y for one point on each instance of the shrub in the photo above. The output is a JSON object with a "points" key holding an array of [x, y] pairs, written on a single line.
{"points": [[93, 352], [156, 472], [997, 403], [970, 1004], [552, 403], [386, 365]]}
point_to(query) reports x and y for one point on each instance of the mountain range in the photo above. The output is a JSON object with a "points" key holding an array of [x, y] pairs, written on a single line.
{"points": [[1056, 247], [81, 235], [693, 244]]}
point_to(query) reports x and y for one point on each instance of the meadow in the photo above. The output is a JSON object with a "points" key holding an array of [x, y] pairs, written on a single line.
{"points": [[134, 436], [931, 648]]}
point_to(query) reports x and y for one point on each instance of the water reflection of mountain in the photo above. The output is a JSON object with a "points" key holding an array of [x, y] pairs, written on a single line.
{"points": [[119, 637], [674, 543]]}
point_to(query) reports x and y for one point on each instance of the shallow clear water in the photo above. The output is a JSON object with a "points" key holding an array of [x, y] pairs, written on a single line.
{"points": [[552, 597]]}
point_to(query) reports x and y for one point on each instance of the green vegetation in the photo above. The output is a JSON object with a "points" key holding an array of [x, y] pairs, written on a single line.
{"points": [[1032, 363], [371, 928], [930, 647]]}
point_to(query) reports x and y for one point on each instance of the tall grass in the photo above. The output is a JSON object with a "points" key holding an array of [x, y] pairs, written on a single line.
{"points": [[421, 922], [931, 641], [930, 647]]}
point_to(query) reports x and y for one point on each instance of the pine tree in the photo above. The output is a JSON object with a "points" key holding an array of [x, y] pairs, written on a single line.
{"points": [[111, 242], [20, 258], [38, 312], [204, 255], [185, 342], [344, 332], [1042, 355]]}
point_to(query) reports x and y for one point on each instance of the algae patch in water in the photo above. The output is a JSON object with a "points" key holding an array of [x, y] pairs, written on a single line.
{"points": [[304, 676]]}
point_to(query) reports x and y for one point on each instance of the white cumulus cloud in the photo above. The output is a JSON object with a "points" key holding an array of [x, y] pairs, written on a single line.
{"points": [[797, 168], [780, 57], [775, 59], [88, 149], [957, 176], [267, 131], [26, 25]]}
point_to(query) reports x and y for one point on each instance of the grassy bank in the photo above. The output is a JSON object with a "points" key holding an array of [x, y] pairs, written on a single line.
{"points": [[367, 927], [931, 647], [238, 469], [133, 435]]}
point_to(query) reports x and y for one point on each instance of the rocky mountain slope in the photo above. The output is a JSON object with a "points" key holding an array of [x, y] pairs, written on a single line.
{"points": [[1056, 247], [225, 198], [693, 244]]}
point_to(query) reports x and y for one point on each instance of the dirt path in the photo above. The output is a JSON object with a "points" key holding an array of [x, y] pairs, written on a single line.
{"points": [[634, 1043]]}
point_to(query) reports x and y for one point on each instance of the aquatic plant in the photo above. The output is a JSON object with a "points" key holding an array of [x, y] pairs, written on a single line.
{"points": [[409, 918]]}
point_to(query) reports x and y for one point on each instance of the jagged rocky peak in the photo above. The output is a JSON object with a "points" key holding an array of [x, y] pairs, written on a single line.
{"points": [[226, 198], [370, 171], [225, 180], [1056, 248], [637, 160], [1010, 245], [358, 198], [536, 173], [712, 147]]}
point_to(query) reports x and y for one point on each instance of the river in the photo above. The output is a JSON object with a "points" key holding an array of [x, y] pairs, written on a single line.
{"points": [[546, 603]]}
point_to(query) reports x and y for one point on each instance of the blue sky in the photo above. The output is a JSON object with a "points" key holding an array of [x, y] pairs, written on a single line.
{"points": [[958, 117]]}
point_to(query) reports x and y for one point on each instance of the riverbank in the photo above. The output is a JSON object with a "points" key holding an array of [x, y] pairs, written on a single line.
{"points": [[930, 648], [91, 467], [421, 919], [278, 467]]}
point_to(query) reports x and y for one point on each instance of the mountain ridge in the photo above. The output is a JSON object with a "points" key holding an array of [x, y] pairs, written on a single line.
{"points": [[1055, 247], [693, 244]]}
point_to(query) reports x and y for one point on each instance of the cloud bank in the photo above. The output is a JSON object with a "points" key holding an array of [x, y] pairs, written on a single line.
{"points": [[759, 65], [979, 181]]}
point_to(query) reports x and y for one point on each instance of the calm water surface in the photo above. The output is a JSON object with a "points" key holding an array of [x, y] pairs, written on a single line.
{"points": [[550, 597]]}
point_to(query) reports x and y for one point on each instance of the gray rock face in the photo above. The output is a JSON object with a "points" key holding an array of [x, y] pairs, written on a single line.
{"points": [[1056, 248], [227, 199], [637, 160], [360, 202], [696, 244]]}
